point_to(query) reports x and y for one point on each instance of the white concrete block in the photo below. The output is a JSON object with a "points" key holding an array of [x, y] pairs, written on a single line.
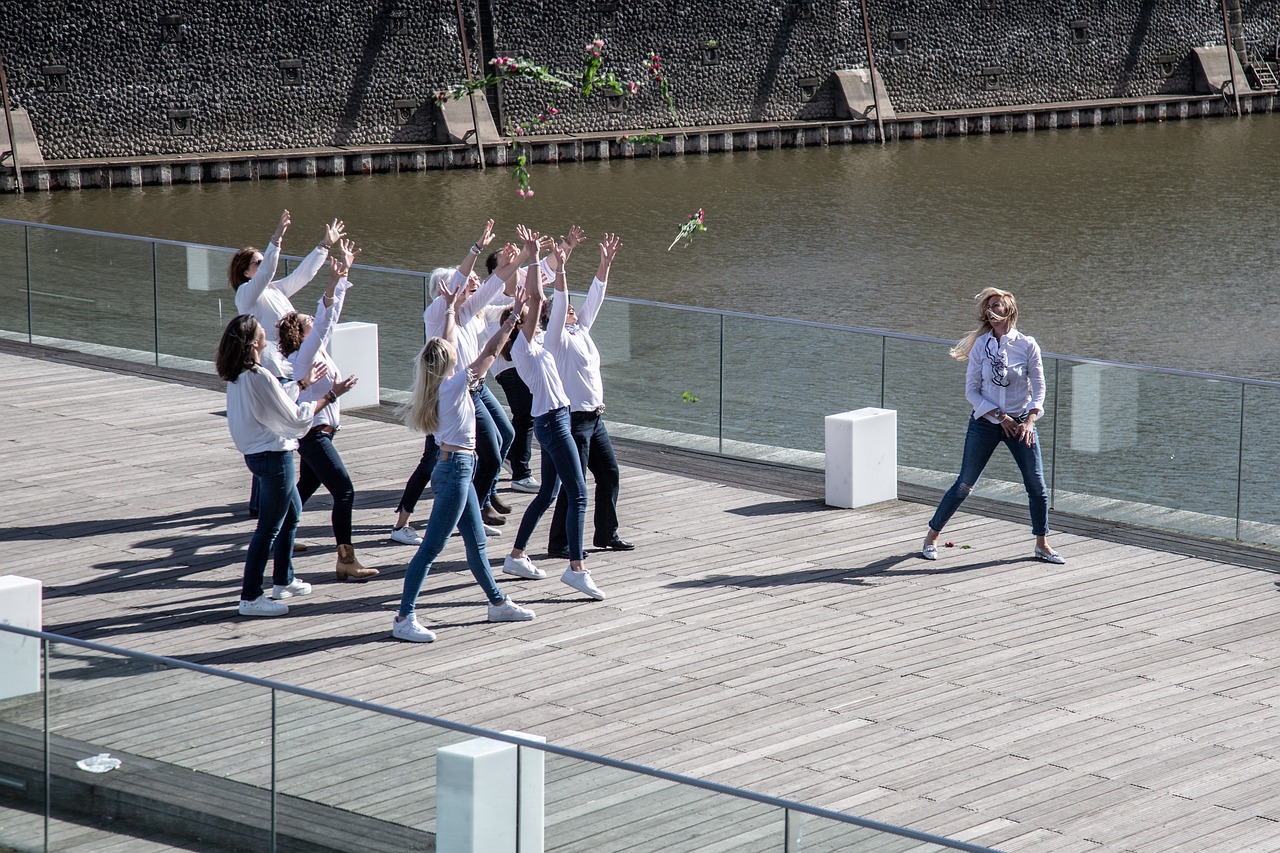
{"points": [[207, 269], [476, 797], [862, 457], [354, 346], [1103, 402], [531, 815], [19, 656]]}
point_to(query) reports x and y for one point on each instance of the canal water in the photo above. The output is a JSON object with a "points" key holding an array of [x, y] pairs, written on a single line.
{"points": [[1153, 244]]}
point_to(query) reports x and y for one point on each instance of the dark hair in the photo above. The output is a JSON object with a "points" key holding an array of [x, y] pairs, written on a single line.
{"points": [[290, 333], [511, 338], [238, 271], [491, 262], [235, 350]]}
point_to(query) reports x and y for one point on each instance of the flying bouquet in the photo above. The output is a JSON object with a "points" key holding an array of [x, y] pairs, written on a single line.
{"points": [[696, 223]]}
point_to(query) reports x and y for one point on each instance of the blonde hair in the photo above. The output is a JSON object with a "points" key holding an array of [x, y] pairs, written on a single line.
{"points": [[432, 366], [960, 352]]}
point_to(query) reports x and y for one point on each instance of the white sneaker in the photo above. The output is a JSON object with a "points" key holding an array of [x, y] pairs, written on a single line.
{"points": [[263, 606], [295, 587], [411, 630], [582, 582], [405, 535], [528, 485], [489, 531], [509, 611], [522, 567]]}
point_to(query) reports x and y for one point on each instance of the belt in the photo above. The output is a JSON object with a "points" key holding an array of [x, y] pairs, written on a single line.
{"points": [[445, 454], [578, 417], [324, 429]]}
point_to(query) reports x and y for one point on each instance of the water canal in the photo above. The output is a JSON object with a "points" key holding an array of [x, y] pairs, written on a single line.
{"points": [[1153, 244]]}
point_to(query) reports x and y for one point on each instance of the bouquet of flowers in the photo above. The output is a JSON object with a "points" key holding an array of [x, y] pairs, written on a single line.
{"points": [[696, 223]]}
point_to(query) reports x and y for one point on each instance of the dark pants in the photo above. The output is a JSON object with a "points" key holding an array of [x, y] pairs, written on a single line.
{"points": [[559, 463], [493, 440], [596, 452], [278, 511], [321, 465], [520, 400], [420, 477]]}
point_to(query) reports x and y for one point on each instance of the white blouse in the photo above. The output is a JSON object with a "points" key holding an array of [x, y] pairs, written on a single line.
{"points": [[262, 416], [456, 411], [575, 352], [1005, 375], [537, 367], [315, 347], [267, 301]]}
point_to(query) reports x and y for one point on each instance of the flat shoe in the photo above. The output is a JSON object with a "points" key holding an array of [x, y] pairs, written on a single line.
{"points": [[1050, 556], [929, 551]]}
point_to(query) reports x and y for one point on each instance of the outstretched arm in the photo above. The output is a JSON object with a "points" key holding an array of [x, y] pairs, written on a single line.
{"points": [[595, 296], [248, 294], [477, 248], [311, 264], [495, 343]]}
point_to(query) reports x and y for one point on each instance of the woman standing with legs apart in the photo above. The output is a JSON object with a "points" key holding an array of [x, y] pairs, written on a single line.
{"points": [[303, 341], [443, 405], [560, 463], [265, 424], [1005, 385]]}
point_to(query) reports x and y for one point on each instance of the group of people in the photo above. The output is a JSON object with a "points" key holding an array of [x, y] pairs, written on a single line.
{"points": [[283, 392]]}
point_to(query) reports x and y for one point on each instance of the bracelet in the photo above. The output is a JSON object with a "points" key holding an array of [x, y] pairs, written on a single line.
{"points": [[475, 248], [331, 397], [450, 311], [323, 245], [302, 386]]}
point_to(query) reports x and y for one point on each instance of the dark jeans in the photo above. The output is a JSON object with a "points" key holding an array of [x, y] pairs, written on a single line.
{"points": [[278, 511], [559, 464], [596, 452], [980, 442], [420, 477], [493, 439], [520, 399], [321, 464]]}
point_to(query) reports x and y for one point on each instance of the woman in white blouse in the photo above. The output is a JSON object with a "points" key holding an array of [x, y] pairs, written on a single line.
{"points": [[265, 424], [304, 341], [1004, 383]]}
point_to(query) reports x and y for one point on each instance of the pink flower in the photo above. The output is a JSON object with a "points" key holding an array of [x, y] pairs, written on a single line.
{"points": [[598, 42], [633, 86], [520, 193], [949, 545], [554, 111], [529, 193], [519, 130]]}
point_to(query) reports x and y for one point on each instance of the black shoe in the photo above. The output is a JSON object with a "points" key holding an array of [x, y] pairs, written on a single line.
{"points": [[617, 543], [559, 553], [499, 504], [492, 517]]}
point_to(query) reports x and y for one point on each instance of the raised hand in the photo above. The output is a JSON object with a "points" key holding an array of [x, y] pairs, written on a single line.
{"points": [[319, 370], [576, 236], [609, 247], [342, 386], [546, 244], [518, 303], [348, 251], [486, 236], [333, 232], [285, 221]]}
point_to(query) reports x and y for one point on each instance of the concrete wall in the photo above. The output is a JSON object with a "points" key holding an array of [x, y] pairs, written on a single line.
{"points": [[105, 78]]}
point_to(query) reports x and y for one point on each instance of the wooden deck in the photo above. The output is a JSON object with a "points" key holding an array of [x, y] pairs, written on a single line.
{"points": [[1125, 702]]}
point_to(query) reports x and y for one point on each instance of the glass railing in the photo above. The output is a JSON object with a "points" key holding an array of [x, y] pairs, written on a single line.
{"points": [[215, 760], [1163, 448]]}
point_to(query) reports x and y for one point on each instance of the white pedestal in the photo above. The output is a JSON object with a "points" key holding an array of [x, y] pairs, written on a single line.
{"points": [[1103, 401], [531, 819], [862, 457], [476, 797], [19, 656], [354, 346]]}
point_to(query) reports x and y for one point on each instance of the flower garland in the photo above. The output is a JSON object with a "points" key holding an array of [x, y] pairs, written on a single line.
{"points": [[696, 223]]}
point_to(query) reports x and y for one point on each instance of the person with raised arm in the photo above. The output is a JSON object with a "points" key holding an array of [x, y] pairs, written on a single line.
{"points": [[533, 355], [1004, 383], [304, 341], [442, 404], [579, 364], [265, 423], [494, 432]]}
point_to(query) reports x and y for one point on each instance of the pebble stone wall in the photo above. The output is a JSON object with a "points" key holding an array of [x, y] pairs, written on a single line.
{"points": [[110, 78]]}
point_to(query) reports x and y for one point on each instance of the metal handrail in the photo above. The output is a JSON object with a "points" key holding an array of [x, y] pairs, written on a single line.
{"points": [[566, 752]]}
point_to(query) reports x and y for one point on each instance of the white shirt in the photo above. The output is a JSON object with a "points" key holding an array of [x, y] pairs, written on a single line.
{"points": [[267, 301], [262, 416], [1007, 375], [315, 347], [467, 320], [456, 411], [537, 367], [575, 352]]}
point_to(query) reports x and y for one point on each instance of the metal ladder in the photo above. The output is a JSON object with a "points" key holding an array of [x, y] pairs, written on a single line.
{"points": [[1265, 76]]}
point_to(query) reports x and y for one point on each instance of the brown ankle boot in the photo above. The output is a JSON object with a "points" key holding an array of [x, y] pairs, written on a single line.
{"points": [[349, 568]]}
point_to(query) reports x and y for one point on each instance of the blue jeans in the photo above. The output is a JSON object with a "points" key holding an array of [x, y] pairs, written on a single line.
{"points": [[980, 442], [454, 505], [321, 465], [417, 483], [560, 464], [494, 435], [278, 512], [595, 450]]}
